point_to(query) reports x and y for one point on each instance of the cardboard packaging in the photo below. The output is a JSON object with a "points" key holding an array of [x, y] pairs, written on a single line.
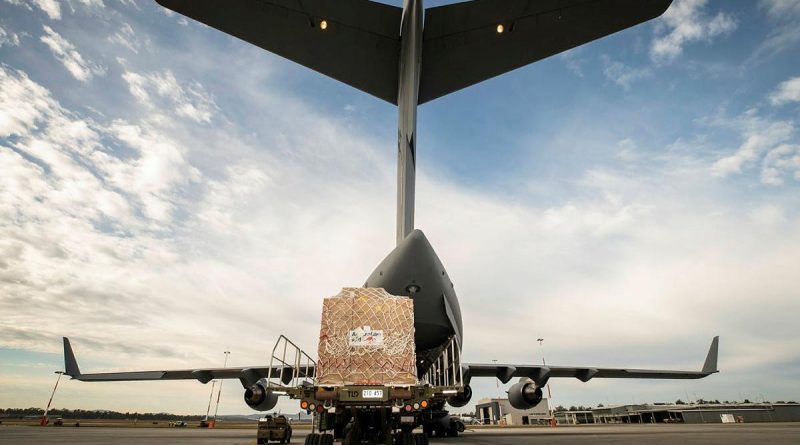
{"points": [[366, 338]]}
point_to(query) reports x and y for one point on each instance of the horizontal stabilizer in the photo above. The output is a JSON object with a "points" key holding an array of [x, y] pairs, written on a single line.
{"points": [[353, 41], [469, 42]]}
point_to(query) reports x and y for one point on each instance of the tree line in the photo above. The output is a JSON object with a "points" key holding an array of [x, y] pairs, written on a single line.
{"points": [[92, 414]]}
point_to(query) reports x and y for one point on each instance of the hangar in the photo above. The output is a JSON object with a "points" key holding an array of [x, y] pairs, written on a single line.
{"points": [[697, 413]]}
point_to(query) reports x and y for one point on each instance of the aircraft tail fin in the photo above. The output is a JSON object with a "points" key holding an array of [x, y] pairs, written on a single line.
{"points": [[710, 365], [70, 364]]}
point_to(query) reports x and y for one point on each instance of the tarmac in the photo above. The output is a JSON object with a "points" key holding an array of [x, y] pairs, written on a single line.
{"points": [[717, 434]]}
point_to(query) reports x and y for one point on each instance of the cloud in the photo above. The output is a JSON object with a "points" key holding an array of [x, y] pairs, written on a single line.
{"points": [[761, 135], [136, 232], [780, 161], [66, 53], [787, 91], [8, 38], [784, 16], [780, 8], [127, 38], [155, 90], [573, 61], [685, 22], [50, 7], [624, 75]]}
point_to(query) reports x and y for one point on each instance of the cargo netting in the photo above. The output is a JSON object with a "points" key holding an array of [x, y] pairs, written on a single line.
{"points": [[366, 338]]}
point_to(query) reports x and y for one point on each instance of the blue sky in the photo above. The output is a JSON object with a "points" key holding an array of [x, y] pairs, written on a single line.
{"points": [[169, 192]]}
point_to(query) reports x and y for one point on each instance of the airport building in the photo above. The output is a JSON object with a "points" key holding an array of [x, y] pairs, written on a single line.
{"points": [[500, 412], [668, 413]]}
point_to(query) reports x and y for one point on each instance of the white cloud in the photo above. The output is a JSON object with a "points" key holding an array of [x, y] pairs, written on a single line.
{"points": [[137, 235], [787, 91], [127, 38], [53, 7], [92, 3], [50, 7], [777, 9], [780, 161], [686, 22], [163, 89], [784, 16], [8, 38], [627, 150], [66, 53], [760, 136], [624, 75]]}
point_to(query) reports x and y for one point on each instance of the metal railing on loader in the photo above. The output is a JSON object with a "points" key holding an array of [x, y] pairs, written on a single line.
{"points": [[446, 371], [291, 366]]}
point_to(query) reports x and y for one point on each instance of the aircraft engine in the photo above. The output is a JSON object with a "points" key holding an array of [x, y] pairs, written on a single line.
{"points": [[525, 394], [259, 398], [462, 399]]}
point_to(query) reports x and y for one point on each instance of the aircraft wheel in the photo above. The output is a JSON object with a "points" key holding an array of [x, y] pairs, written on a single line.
{"points": [[420, 439], [326, 439]]}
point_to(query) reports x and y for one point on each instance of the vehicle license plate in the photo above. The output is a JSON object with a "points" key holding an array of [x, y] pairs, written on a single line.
{"points": [[406, 419], [372, 393]]}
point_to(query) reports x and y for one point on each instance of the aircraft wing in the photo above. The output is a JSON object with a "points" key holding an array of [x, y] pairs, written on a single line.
{"points": [[462, 45], [540, 374], [360, 44], [247, 375]]}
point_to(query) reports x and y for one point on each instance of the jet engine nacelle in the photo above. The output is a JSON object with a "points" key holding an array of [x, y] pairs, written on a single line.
{"points": [[524, 395], [461, 399], [259, 398]]}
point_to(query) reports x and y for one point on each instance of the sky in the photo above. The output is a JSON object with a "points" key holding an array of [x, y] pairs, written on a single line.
{"points": [[168, 192]]}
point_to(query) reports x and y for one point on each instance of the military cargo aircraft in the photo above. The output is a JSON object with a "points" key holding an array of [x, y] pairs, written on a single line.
{"points": [[408, 56]]}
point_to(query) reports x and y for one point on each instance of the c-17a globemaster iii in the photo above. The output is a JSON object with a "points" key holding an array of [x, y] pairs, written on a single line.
{"points": [[407, 56]]}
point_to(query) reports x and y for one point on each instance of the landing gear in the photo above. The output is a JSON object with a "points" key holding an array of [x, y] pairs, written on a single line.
{"points": [[409, 438]]}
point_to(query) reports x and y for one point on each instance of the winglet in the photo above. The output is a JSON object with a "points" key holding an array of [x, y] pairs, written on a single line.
{"points": [[710, 365], [70, 364]]}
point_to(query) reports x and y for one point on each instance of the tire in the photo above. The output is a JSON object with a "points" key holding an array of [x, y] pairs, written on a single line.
{"points": [[420, 439], [351, 436], [326, 439], [427, 430]]}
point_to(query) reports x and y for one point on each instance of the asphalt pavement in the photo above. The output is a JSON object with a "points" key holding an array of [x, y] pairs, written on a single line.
{"points": [[717, 434]]}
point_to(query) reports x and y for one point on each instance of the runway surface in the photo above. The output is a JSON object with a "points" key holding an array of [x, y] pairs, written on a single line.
{"points": [[769, 434]]}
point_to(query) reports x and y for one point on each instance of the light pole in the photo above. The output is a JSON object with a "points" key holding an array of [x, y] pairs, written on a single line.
{"points": [[43, 421], [227, 353], [210, 398]]}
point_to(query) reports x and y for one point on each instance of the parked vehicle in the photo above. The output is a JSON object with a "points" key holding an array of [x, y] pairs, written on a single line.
{"points": [[275, 429]]}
